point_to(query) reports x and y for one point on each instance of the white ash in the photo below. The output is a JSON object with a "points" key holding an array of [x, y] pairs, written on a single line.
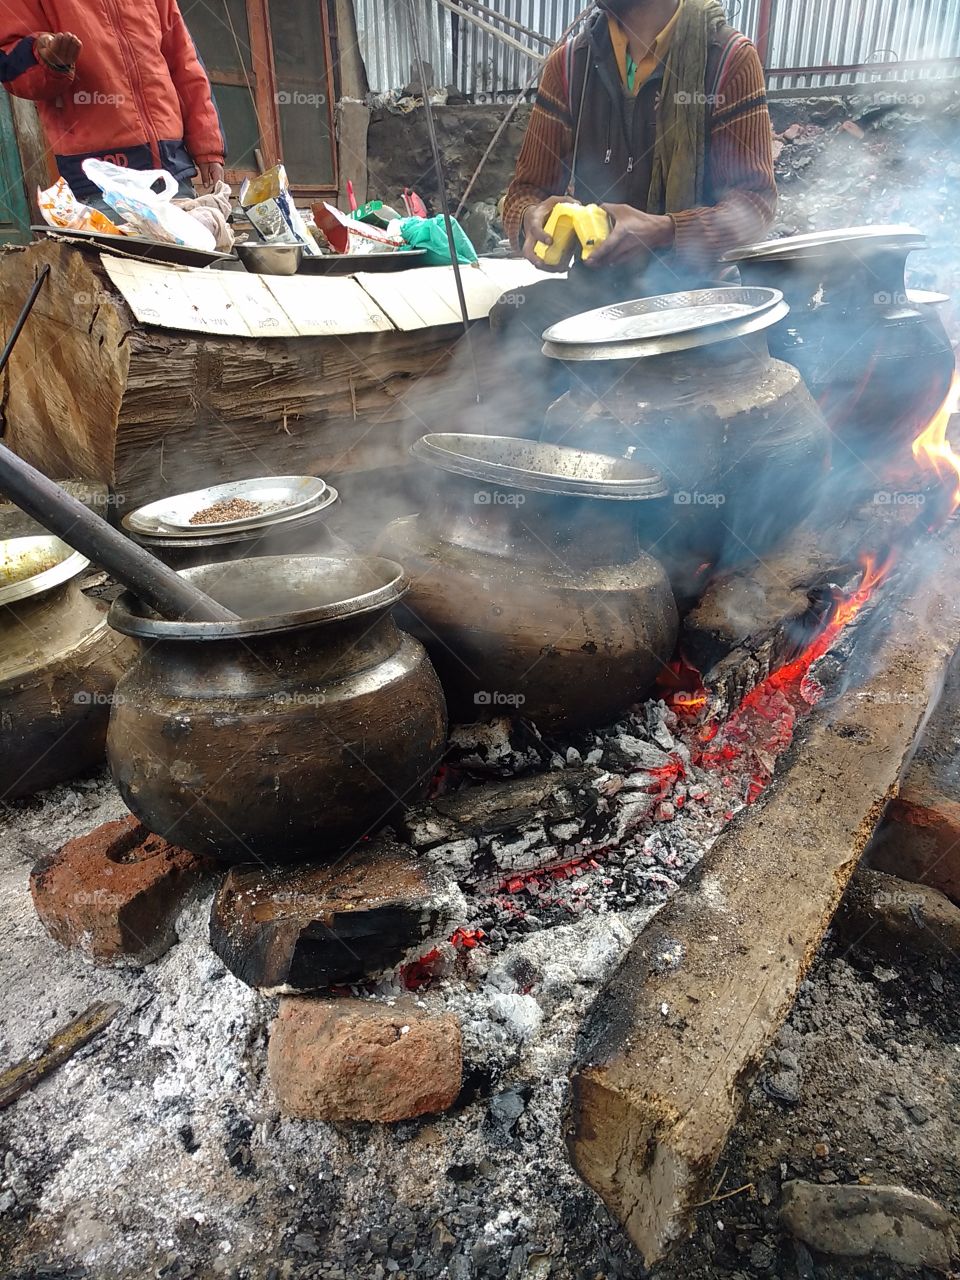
{"points": [[159, 1150]]}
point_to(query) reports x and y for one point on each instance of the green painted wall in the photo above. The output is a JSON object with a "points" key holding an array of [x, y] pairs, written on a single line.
{"points": [[14, 211]]}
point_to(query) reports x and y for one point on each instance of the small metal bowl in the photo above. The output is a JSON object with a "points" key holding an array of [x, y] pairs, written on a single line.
{"points": [[271, 259]]}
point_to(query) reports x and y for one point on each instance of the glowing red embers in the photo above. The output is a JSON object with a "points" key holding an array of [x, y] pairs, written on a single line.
{"points": [[467, 939]]}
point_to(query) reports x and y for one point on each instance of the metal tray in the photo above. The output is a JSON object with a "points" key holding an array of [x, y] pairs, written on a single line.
{"points": [[139, 247], [182, 540], [841, 242], [287, 495], [349, 264], [515, 463], [667, 323]]}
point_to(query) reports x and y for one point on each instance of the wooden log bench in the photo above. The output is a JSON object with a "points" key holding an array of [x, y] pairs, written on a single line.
{"points": [[94, 392]]}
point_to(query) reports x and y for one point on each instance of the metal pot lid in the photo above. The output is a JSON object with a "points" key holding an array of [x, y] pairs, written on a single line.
{"points": [[665, 324], [274, 594], [926, 298], [512, 463], [840, 242], [138, 522], [280, 496], [31, 566]]}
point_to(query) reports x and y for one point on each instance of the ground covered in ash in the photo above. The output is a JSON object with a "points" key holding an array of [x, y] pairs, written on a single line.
{"points": [[861, 1086], [158, 1150]]}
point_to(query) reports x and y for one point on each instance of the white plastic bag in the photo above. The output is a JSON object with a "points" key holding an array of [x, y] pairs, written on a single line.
{"points": [[129, 192]]}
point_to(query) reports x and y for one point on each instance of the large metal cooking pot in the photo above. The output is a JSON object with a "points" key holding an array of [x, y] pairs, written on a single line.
{"points": [[287, 735], [529, 589], [685, 383], [59, 663], [875, 355]]}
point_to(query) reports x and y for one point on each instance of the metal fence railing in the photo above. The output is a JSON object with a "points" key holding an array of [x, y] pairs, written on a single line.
{"points": [[814, 43]]}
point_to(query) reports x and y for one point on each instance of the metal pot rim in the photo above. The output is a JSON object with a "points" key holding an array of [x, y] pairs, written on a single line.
{"points": [[70, 566], [127, 616], [440, 450]]}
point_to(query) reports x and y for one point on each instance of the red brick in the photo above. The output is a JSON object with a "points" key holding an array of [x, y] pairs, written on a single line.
{"points": [[115, 894], [355, 1060]]}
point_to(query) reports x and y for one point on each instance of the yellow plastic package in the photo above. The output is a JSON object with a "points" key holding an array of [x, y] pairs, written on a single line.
{"points": [[569, 223], [60, 208]]}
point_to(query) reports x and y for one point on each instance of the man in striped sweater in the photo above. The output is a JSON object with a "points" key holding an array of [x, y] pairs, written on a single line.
{"points": [[657, 112]]}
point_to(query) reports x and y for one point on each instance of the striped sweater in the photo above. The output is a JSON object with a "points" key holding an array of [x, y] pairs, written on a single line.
{"points": [[740, 176]]}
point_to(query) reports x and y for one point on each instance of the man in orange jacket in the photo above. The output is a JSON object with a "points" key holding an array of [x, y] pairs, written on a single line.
{"points": [[121, 82]]}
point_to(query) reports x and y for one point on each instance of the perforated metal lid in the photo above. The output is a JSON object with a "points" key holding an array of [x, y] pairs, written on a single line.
{"points": [[666, 323], [840, 242], [515, 463]]}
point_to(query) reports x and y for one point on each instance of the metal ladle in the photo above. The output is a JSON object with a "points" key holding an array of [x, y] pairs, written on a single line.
{"points": [[51, 506]]}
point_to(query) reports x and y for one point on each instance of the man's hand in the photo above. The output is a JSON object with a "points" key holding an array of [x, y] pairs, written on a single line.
{"points": [[60, 50], [211, 173], [534, 220], [635, 236]]}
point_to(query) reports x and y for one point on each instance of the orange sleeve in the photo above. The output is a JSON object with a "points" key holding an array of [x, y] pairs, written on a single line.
{"points": [[741, 169]]}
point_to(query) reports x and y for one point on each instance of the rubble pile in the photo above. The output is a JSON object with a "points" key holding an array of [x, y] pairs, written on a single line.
{"points": [[876, 158]]}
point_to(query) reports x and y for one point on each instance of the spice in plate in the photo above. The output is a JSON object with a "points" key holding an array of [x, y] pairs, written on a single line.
{"points": [[227, 509]]}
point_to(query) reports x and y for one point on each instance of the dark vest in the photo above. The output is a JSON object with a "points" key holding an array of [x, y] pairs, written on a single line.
{"points": [[617, 133]]}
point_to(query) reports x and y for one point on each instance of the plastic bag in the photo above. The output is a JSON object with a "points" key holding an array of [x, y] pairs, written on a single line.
{"points": [[61, 208], [130, 192], [431, 234], [345, 235], [270, 207]]}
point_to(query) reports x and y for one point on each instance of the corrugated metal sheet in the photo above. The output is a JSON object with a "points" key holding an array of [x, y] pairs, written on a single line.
{"points": [[803, 34], [865, 34], [386, 42], [488, 69]]}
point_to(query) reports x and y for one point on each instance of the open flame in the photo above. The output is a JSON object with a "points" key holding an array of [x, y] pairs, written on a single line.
{"points": [[846, 609], [932, 448]]}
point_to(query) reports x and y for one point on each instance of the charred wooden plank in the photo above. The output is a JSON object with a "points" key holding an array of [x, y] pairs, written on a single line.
{"points": [[60, 1048], [677, 1037], [750, 623]]}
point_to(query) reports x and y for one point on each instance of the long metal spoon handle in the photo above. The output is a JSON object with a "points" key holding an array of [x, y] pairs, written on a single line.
{"points": [[147, 577]]}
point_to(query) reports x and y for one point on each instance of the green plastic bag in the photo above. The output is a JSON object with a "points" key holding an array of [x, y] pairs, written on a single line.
{"points": [[431, 234]]}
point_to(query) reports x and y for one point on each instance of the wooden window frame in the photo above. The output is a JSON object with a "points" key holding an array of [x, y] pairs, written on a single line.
{"points": [[265, 98]]}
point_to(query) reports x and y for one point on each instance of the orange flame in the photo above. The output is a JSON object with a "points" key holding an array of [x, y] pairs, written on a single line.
{"points": [[845, 611], [933, 449]]}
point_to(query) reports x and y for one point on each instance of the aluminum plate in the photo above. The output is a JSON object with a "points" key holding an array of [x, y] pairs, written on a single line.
{"points": [[283, 496], [181, 541], [30, 566]]}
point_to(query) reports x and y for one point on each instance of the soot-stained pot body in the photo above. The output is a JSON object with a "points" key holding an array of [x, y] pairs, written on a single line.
{"points": [[686, 384], [875, 354], [529, 588], [286, 736], [59, 663]]}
